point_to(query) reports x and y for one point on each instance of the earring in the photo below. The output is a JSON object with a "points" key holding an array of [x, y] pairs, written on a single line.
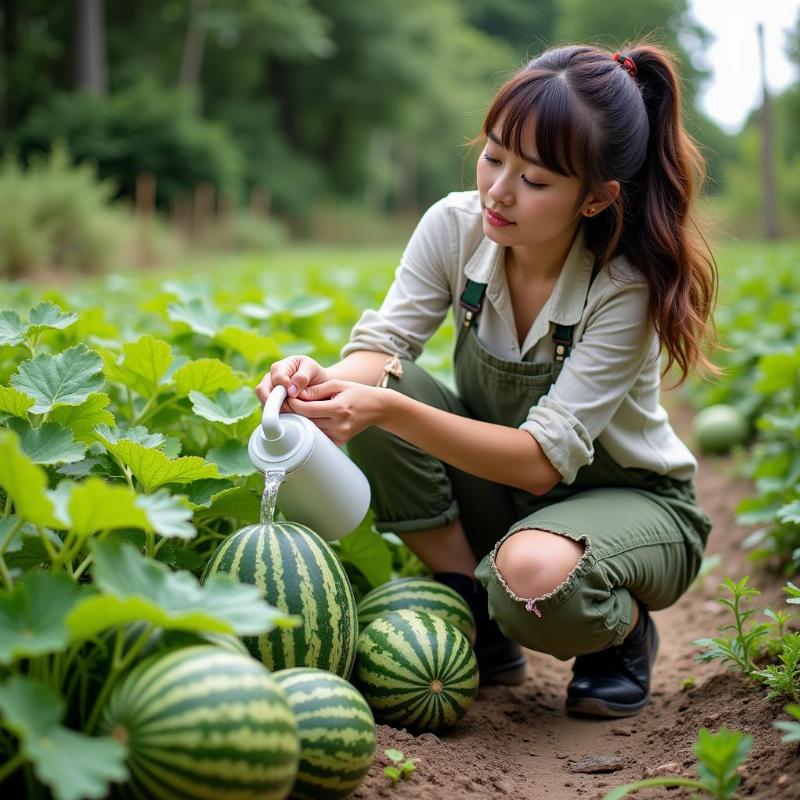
{"points": [[590, 211]]}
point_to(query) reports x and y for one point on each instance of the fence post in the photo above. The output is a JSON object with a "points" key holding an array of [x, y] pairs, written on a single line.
{"points": [[145, 207]]}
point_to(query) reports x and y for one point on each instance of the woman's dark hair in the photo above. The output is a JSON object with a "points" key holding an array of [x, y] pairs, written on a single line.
{"points": [[597, 121]]}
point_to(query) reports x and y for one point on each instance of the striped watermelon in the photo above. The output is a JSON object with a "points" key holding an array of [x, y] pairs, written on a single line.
{"points": [[418, 594], [337, 733], [201, 723], [416, 670], [298, 573]]}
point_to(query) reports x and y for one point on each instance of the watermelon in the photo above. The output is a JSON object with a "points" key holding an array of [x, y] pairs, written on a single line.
{"points": [[201, 723], [416, 670], [337, 732], [297, 572], [418, 594], [717, 428]]}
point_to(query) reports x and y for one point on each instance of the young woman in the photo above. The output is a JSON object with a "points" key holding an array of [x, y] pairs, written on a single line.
{"points": [[553, 475]]}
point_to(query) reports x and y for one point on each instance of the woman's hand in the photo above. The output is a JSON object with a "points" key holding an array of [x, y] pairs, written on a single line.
{"points": [[341, 409], [295, 373]]}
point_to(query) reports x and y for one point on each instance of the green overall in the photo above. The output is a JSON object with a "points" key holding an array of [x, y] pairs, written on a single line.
{"points": [[643, 534]]}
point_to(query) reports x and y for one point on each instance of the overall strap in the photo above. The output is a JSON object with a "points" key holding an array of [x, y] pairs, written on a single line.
{"points": [[562, 335], [472, 300]]}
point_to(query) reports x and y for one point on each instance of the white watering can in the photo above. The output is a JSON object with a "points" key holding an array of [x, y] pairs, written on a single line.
{"points": [[322, 488]]}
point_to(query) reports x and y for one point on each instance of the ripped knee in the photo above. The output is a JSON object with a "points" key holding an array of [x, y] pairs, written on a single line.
{"points": [[535, 562]]}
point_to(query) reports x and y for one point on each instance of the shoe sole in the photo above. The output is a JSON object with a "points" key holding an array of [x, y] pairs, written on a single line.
{"points": [[595, 707]]}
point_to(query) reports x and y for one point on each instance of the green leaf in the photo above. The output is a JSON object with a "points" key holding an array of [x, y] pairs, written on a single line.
{"points": [[111, 436], [153, 469], [238, 502], [72, 765], [251, 345], [12, 328], [15, 402], [369, 553], [83, 418], [169, 515], [231, 459], [226, 407], [67, 378], [202, 316], [777, 371], [47, 444], [393, 755], [719, 754], [144, 365], [205, 375], [32, 616], [25, 483], [47, 315], [138, 588], [790, 513], [96, 505], [201, 494]]}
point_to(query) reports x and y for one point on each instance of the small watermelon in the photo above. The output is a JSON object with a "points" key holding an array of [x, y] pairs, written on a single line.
{"points": [[720, 427], [337, 732], [298, 572], [200, 722], [416, 670], [418, 594]]}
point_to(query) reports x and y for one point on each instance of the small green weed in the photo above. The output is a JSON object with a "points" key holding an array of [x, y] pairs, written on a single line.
{"points": [[397, 770], [791, 727], [719, 755], [784, 679]]}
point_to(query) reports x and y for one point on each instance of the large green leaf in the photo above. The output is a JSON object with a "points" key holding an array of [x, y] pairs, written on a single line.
{"points": [[169, 515], [32, 616], [111, 436], [153, 469], [144, 365], [47, 444], [95, 505], [82, 419], [250, 344], [67, 378], [137, 588], [201, 494], [14, 402], [25, 483], [202, 316], [238, 502], [12, 328], [72, 765], [226, 407], [47, 315], [231, 459], [369, 553], [205, 375]]}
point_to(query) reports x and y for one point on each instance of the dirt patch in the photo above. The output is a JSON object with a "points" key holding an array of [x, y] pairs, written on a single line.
{"points": [[517, 741]]}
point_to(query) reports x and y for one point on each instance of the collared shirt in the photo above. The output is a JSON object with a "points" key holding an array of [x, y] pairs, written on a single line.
{"points": [[609, 387]]}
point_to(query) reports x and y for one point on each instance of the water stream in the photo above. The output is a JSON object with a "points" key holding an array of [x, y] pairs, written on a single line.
{"points": [[272, 483]]}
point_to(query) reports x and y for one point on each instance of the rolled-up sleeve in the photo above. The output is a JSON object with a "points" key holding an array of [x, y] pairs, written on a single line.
{"points": [[598, 373], [418, 299]]}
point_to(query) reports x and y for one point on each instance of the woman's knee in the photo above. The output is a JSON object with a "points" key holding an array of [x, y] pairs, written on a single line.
{"points": [[535, 562]]}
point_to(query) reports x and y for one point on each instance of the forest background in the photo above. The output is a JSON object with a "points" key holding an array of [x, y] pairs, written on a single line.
{"points": [[242, 124]]}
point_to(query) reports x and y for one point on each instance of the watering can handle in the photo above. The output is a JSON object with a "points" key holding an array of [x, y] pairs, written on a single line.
{"points": [[269, 418]]}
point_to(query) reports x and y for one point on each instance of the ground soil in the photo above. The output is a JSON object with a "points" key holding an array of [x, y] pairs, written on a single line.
{"points": [[517, 741]]}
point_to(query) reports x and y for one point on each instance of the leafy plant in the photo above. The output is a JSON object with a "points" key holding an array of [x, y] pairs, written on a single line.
{"points": [[398, 770], [719, 757], [784, 679], [738, 649], [791, 727]]}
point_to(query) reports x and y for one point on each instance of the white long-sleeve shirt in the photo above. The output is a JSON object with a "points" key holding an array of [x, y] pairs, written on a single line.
{"points": [[609, 387]]}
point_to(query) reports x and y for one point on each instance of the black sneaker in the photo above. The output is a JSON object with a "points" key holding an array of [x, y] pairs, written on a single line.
{"points": [[615, 682], [500, 661]]}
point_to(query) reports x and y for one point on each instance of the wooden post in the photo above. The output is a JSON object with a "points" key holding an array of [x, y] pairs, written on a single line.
{"points": [[224, 226], [145, 203], [203, 207], [259, 202]]}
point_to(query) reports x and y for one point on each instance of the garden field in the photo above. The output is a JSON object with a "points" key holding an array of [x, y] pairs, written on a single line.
{"points": [[127, 659]]}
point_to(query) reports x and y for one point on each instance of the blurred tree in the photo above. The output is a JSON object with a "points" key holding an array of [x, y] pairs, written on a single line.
{"points": [[526, 26], [90, 47]]}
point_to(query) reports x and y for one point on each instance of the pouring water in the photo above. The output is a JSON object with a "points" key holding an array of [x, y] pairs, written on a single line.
{"points": [[272, 483]]}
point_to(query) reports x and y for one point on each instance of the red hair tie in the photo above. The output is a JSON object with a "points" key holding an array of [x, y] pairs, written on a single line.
{"points": [[627, 63]]}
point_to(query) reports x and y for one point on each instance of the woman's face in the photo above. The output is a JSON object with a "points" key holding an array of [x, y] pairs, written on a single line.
{"points": [[538, 203]]}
